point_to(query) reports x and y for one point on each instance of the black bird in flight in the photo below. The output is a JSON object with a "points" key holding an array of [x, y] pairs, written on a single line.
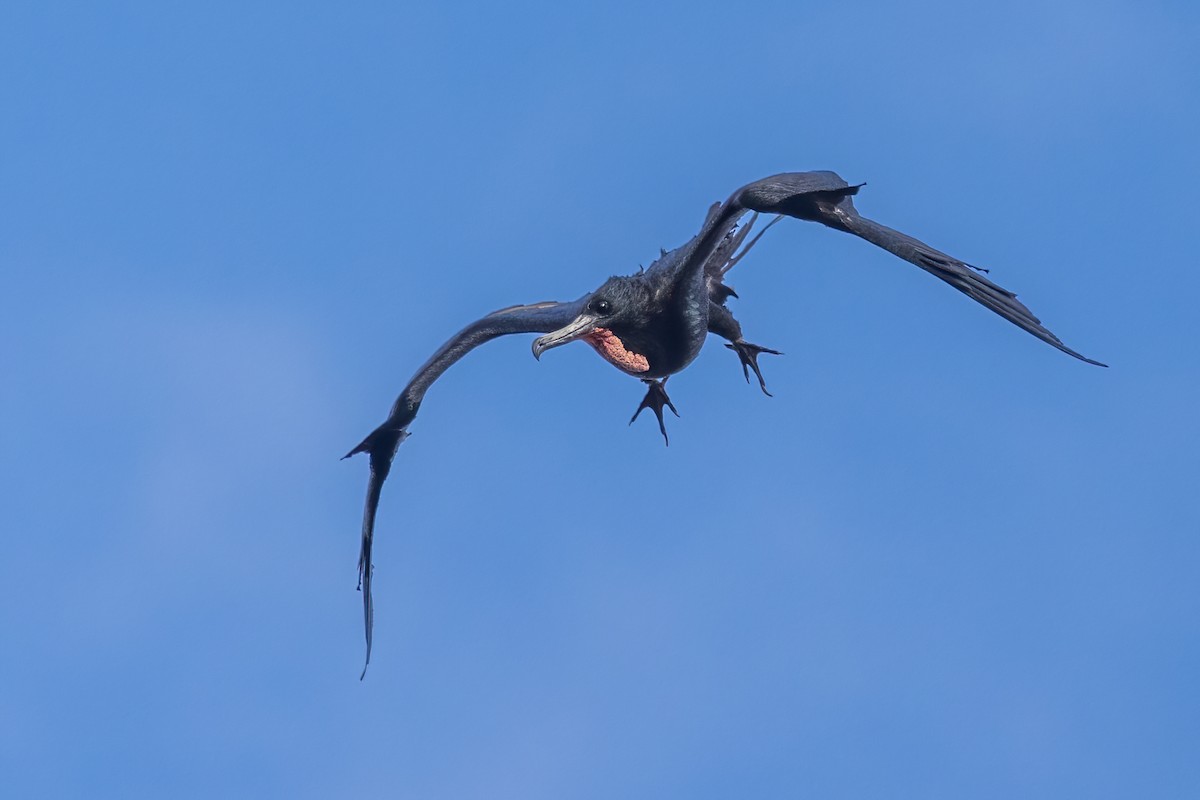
{"points": [[653, 324]]}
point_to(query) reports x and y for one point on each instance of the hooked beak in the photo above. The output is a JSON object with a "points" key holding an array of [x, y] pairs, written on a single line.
{"points": [[578, 328]]}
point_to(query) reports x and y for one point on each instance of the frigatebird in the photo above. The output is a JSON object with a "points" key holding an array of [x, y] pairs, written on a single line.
{"points": [[653, 324]]}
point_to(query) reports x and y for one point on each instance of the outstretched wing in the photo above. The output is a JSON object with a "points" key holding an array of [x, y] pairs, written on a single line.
{"points": [[826, 198], [382, 443], [960, 275]]}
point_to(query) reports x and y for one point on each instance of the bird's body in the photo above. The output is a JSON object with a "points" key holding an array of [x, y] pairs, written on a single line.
{"points": [[653, 324]]}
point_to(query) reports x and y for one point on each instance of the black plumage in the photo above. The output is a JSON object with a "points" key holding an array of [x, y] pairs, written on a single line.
{"points": [[652, 324]]}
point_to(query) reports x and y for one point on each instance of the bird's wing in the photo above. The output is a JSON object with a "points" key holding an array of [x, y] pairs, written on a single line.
{"points": [[826, 198], [382, 443], [714, 250], [959, 274]]}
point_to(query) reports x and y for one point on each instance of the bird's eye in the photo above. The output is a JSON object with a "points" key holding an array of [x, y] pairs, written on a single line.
{"points": [[601, 306]]}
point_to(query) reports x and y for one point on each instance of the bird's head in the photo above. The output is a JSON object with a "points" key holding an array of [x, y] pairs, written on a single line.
{"points": [[612, 321]]}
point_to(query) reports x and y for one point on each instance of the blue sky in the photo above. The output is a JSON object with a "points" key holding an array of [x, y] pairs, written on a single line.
{"points": [[944, 560]]}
